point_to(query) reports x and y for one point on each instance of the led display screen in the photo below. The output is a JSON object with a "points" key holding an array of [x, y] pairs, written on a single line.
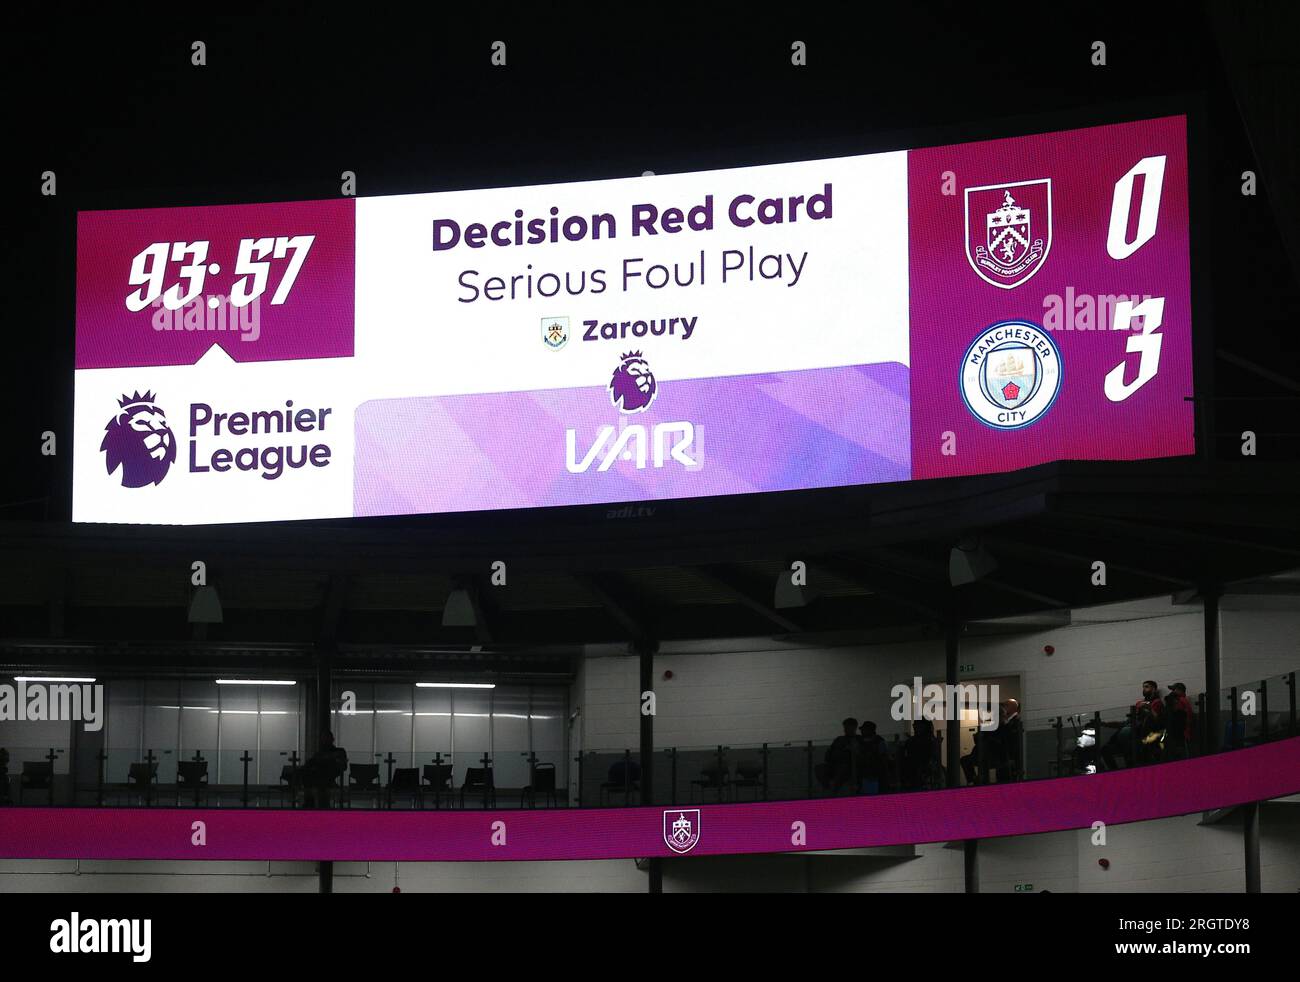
{"points": [[928, 313], [1257, 773]]}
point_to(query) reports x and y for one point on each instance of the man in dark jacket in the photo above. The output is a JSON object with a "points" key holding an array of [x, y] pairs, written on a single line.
{"points": [[1000, 748], [323, 768], [844, 759], [875, 760]]}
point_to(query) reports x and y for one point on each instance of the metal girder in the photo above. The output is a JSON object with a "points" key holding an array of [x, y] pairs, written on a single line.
{"points": [[747, 595]]}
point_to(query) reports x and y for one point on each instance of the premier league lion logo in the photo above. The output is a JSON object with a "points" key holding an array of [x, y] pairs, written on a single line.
{"points": [[139, 441], [632, 388]]}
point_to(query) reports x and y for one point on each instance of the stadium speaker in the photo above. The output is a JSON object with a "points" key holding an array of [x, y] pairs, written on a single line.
{"points": [[968, 562], [205, 606], [459, 610], [788, 593]]}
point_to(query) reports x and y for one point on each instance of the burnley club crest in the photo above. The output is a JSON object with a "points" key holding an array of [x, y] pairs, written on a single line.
{"points": [[681, 829], [1008, 230], [555, 332]]}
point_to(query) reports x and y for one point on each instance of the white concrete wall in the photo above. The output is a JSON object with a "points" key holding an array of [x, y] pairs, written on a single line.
{"points": [[793, 693]]}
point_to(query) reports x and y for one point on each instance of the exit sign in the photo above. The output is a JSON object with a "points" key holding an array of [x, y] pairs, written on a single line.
{"points": [[1024, 888], [966, 668]]}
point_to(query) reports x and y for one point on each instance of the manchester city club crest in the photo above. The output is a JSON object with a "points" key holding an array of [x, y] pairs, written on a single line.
{"points": [[1009, 230], [555, 332], [681, 829], [1011, 375]]}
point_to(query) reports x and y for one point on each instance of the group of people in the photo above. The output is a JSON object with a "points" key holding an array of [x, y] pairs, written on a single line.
{"points": [[1158, 726], [859, 762], [856, 762]]}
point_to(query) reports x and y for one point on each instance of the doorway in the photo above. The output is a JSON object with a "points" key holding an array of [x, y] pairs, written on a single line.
{"points": [[1008, 687]]}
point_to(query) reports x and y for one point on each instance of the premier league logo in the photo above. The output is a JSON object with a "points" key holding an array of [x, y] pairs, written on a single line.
{"points": [[633, 389], [1008, 230], [681, 829], [555, 332], [1011, 375], [139, 441]]}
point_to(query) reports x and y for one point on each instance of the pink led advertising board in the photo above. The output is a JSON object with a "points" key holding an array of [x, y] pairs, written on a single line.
{"points": [[939, 312], [1026, 808]]}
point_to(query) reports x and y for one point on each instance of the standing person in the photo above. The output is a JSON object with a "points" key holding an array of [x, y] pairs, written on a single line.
{"points": [[1013, 732], [875, 760], [917, 756], [844, 758], [997, 750], [1180, 720]]}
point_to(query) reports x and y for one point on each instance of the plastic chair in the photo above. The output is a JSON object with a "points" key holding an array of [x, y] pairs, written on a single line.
{"points": [[405, 782], [37, 775], [478, 781], [541, 780], [191, 774], [624, 776], [363, 779], [437, 778]]}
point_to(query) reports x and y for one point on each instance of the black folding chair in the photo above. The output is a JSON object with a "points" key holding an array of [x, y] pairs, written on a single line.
{"points": [[713, 777], [478, 781], [192, 774], [37, 775], [405, 783], [142, 774], [541, 780], [624, 777], [749, 774], [363, 779], [437, 778]]}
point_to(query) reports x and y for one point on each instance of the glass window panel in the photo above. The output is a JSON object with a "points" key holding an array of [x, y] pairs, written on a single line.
{"points": [[510, 736], [162, 717], [470, 728], [125, 704], [280, 727], [432, 725], [123, 728], [550, 728], [238, 729], [393, 725], [199, 720], [355, 732]]}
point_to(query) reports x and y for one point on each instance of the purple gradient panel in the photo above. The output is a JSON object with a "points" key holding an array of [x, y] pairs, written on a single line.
{"points": [[817, 428], [951, 305], [315, 321], [1255, 774]]}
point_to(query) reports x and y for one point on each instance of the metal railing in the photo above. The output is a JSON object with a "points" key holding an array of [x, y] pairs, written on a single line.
{"points": [[1061, 746]]}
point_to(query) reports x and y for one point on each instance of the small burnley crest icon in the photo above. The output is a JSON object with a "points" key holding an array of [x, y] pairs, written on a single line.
{"points": [[633, 387], [138, 440], [555, 332], [681, 829], [1009, 230]]}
